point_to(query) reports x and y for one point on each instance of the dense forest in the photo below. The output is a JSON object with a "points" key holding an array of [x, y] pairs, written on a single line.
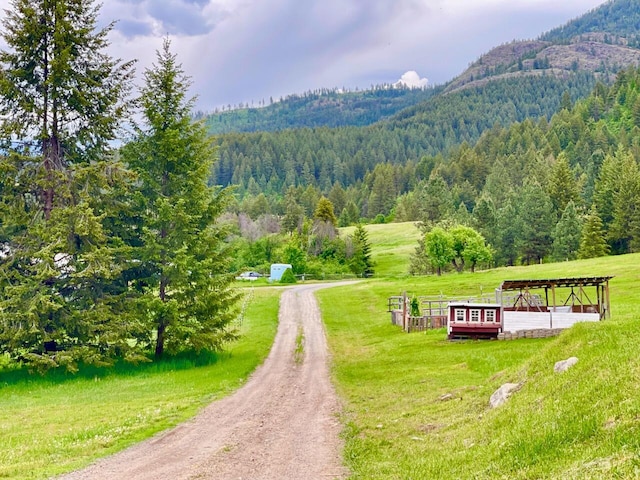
{"points": [[320, 108], [535, 190], [543, 166], [272, 161]]}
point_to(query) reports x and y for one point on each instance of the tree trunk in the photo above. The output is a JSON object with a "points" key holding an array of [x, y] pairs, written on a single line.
{"points": [[160, 341], [162, 324]]}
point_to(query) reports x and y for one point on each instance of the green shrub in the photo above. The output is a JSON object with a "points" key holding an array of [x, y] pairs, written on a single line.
{"points": [[288, 276]]}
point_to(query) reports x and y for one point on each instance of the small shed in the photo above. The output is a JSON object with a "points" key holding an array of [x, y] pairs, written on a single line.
{"points": [[474, 320], [277, 269]]}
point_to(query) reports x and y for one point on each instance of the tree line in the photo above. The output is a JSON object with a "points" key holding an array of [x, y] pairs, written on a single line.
{"points": [[537, 190]]}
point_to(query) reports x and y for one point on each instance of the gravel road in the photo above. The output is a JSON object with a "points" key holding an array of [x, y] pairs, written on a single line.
{"points": [[282, 424]]}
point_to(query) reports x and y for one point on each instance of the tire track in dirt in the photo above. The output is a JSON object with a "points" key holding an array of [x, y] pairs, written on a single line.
{"points": [[281, 425]]}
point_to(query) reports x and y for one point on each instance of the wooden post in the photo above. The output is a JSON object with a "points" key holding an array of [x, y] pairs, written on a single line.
{"points": [[404, 311], [608, 313]]}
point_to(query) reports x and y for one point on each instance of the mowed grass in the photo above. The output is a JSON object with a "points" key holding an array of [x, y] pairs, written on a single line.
{"points": [[391, 246], [417, 405], [55, 424]]}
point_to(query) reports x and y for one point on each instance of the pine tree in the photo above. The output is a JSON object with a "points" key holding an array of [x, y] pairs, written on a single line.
{"points": [[183, 256], [360, 262], [61, 101], [593, 242], [562, 187], [324, 212], [623, 230], [62, 96], [535, 218], [567, 234]]}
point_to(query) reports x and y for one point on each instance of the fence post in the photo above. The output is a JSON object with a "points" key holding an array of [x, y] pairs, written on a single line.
{"points": [[404, 311]]}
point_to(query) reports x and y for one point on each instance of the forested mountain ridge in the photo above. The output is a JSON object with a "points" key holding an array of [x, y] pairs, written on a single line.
{"points": [[599, 44], [326, 107]]}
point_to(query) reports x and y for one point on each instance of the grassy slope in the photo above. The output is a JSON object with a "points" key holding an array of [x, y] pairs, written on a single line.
{"points": [[55, 424], [392, 245], [584, 423]]}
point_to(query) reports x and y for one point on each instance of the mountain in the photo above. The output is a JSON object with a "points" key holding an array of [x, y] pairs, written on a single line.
{"points": [[328, 108], [510, 83], [596, 45]]}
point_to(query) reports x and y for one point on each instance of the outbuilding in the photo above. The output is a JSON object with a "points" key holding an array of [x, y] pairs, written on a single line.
{"points": [[474, 320], [277, 269]]}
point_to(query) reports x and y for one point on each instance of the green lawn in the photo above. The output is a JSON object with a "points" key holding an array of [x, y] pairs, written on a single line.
{"points": [[54, 424], [416, 405]]}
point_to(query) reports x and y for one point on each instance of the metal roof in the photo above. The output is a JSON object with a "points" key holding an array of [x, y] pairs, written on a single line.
{"points": [[557, 282]]}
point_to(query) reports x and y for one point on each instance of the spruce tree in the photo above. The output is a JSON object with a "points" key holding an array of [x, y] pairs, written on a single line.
{"points": [[182, 256], [567, 234], [62, 99], [360, 262], [593, 242]]}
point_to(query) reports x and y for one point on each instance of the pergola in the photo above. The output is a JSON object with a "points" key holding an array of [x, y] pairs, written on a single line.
{"points": [[577, 299]]}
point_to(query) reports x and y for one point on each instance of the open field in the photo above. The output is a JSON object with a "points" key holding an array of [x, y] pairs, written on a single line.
{"points": [[416, 405], [56, 423], [391, 246]]}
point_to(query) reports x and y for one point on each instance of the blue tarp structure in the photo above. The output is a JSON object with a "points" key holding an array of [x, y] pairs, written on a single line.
{"points": [[277, 269]]}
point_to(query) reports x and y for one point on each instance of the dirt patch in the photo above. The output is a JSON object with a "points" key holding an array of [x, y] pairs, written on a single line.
{"points": [[282, 424]]}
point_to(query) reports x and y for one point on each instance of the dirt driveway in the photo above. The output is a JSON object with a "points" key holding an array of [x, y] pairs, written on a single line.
{"points": [[282, 424]]}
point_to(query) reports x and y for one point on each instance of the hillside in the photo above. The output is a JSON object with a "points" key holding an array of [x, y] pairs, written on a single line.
{"points": [[511, 83], [328, 108], [537, 58], [596, 45], [418, 406]]}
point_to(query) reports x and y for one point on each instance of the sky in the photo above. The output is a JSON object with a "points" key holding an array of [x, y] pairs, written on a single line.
{"points": [[251, 51]]}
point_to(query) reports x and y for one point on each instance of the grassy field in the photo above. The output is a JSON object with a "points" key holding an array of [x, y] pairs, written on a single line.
{"points": [[416, 405], [56, 423], [392, 245]]}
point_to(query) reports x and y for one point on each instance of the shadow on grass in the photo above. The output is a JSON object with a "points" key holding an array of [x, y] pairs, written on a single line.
{"points": [[182, 361]]}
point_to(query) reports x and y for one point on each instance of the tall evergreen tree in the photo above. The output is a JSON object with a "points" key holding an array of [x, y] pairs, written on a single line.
{"points": [[593, 242], [562, 187], [62, 99], [623, 230], [567, 234], [185, 291], [535, 218], [360, 262], [62, 96]]}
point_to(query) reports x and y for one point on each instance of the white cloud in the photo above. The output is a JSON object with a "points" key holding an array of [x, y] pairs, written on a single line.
{"points": [[411, 79]]}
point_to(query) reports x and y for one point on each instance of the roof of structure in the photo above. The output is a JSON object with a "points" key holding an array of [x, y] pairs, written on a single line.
{"points": [[557, 282]]}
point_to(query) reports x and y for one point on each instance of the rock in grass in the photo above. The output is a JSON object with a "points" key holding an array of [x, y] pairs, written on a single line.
{"points": [[500, 396], [564, 365]]}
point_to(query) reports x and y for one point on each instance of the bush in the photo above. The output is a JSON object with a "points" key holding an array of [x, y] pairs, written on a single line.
{"points": [[288, 276]]}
